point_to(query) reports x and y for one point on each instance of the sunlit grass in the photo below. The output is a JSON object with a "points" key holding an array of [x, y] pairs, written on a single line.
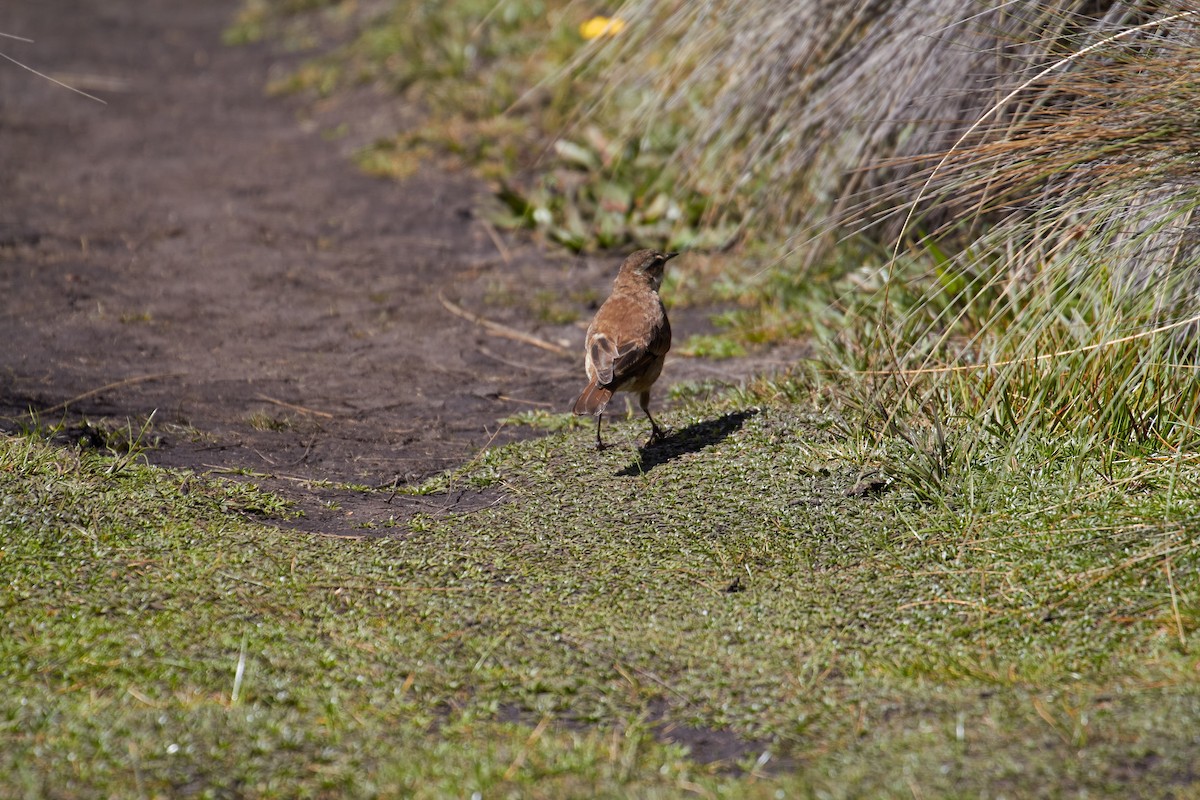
{"points": [[1029, 621]]}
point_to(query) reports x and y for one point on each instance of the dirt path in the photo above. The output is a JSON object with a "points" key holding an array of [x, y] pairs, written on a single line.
{"points": [[198, 250]]}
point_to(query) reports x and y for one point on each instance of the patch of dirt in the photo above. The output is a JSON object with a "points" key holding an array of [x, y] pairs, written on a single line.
{"points": [[201, 251]]}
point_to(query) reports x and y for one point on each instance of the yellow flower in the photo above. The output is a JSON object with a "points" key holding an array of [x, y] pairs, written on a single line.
{"points": [[596, 27]]}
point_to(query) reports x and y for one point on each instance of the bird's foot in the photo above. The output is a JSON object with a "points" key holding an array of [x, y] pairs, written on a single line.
{"points": [[656, 436]]}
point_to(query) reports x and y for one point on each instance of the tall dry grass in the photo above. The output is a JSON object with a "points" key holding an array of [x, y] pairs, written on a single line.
{"points": [[807, 112], [1068, 310], [1031, 166]]}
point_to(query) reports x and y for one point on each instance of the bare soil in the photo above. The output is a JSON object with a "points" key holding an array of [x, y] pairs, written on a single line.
{"points": [[200, 251]]}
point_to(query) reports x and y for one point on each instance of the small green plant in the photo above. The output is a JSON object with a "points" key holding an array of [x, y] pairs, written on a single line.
{"points": [[708, 345], [549, 308], [262, 421], [601, 193], [545, 420], [131, 446]]}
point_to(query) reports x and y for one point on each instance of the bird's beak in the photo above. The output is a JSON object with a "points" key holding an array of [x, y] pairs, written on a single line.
{"points": [[669, 256]]}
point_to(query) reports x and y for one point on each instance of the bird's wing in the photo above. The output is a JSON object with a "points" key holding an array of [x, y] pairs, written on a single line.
{"points": [[632, 359], [603, 354], [660, 336]]}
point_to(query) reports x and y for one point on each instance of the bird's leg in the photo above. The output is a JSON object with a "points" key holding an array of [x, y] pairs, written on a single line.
{"points": [[599, 441], [656, 433]]}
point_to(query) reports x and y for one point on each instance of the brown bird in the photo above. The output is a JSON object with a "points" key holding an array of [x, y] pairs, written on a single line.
{"points": [[628, 340]]}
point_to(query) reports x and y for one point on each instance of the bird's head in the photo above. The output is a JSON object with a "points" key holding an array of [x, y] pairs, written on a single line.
{"points": [[647, 265]]}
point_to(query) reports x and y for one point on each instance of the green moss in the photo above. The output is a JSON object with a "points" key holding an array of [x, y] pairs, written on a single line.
{"points": [[1031, 630]]}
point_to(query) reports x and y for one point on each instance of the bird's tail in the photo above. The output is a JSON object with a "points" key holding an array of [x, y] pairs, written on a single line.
{"points": [[593, 400]]}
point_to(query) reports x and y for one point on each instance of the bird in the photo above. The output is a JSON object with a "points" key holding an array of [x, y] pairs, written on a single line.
{"points": [[628, 340]]}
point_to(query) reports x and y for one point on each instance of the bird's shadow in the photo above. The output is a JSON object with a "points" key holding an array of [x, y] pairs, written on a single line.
{"points": [[686, 440]]}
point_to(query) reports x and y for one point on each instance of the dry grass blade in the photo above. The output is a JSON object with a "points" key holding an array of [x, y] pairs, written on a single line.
{"points": [[28, 68], [1008, 98], [294, 407], [109, 387], [503, 330]]}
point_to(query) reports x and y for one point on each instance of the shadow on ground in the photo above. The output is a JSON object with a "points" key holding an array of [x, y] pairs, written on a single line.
{"points": [[691, 439]]}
